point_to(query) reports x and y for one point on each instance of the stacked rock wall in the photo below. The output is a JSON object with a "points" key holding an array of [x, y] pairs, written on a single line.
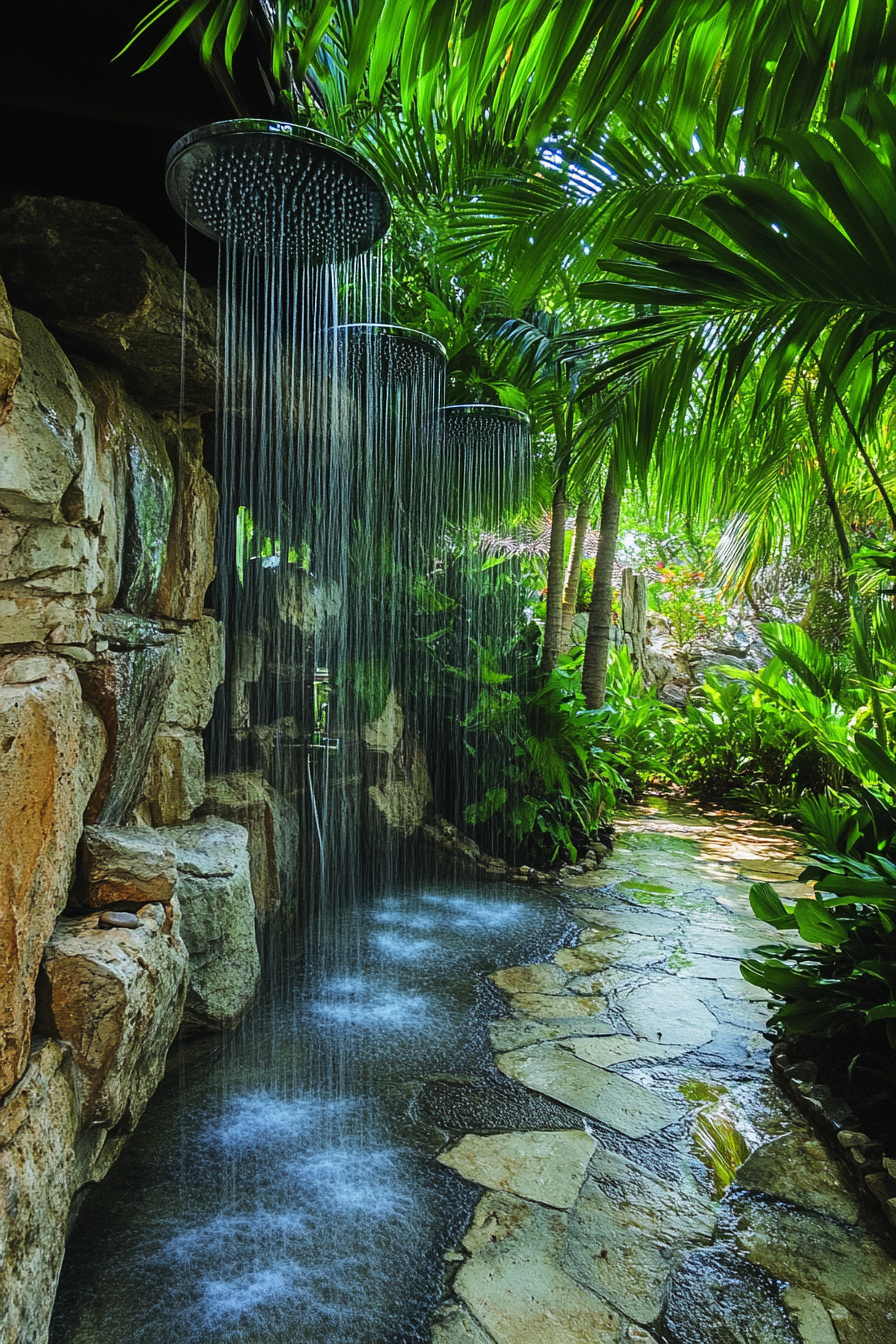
{"points": [[118, 905]]}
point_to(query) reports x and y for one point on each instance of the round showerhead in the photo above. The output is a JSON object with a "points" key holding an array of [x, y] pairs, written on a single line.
{"points": [[478, 426], [389, 353], [486, 458], [268, 185]]}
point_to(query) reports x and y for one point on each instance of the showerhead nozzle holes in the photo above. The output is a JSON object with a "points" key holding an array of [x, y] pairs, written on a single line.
{"points": [[390, 354], [468, 426], [271, 186]]}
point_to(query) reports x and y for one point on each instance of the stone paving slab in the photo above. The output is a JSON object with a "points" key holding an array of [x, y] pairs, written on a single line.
{"points": [[708, 1213], [512, 1033], [628, 1230], [547, 1166], [609, 1050], [514, 1286], [665, 1011], [607, 1097]]}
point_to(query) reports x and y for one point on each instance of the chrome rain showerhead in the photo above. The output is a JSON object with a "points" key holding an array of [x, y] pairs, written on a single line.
{"points": [[387, 354], [486, 460], [481, 426], [267, 185]]}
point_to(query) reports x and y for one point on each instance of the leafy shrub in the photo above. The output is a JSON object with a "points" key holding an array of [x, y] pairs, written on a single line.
{"points": [[549, 780], [768, 739], [640, 726], [847, 982], [692, 609], [741, 745], [844, 983]]}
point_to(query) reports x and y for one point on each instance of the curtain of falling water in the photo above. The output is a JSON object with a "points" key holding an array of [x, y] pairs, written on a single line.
{"points": [[486, 481], [342, 511]]}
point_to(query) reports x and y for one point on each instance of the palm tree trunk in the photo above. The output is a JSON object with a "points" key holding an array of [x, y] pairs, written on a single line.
{"points": [[574, 572], [827, 483], [600, 617], [553, 620]]}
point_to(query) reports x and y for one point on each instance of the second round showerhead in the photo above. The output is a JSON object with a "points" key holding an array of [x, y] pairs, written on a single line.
{"points": [[384, 353], [271, 186], [480, 426]]}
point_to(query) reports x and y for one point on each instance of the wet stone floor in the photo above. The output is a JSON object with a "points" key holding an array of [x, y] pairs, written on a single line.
{"points": [[694, 1204]]}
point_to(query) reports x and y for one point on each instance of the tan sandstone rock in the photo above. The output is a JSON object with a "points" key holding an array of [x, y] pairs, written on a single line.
{"points": [[47, 455], [113, 430], [215, 895], [174, 787], [50, 753], [198, 672], [131, 863], [190, 558], [127, 683], [274, 829], [38, 1128], [403, 791], [116, 996]]}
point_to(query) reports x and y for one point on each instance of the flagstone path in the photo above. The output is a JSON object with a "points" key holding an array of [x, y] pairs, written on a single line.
{"points": [[695, 1205]]}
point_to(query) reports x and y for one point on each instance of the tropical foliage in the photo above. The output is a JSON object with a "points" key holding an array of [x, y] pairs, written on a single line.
{"points": [[668, 231]]}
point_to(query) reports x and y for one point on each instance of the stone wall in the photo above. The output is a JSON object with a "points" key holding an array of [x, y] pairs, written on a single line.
{"points": [[119, 905]]}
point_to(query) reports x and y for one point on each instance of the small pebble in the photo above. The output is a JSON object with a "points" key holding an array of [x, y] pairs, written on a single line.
{"points": [[119, 919]]}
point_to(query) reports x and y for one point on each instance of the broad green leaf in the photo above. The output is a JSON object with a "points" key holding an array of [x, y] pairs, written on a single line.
{"points": [[818, 925], [767, 905], [881, 761]]}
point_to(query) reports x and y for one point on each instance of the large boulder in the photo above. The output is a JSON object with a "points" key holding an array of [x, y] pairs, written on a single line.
{"points": [[125, 864], [114, 293], [116, 996], [127, 683], [51, 499], [215, 894], [198, 672], [149, 497], [399, 788], [53, 746], [400, 791], [246, 664], [10, 353], [174, 787], [190, 558], [38, 1128], [47, 458], [274, 829], [138, 485], [50, 577]]}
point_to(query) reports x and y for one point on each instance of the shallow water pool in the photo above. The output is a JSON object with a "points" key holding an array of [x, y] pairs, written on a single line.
{"points": [[282, 1185]]}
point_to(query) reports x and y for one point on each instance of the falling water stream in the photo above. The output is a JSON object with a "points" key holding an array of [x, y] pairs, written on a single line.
{"points": [[283, 1183]]}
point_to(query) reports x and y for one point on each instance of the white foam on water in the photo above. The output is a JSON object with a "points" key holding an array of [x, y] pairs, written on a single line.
{"points": [[405, 919], [403, 949], [356, 1003], [229, 1299], [468, 912], [230, 1230], [370, 1182], [257, 1119]]}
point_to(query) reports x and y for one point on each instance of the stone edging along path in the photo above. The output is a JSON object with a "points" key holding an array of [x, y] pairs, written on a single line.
{"points": [[695, 1204]]}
